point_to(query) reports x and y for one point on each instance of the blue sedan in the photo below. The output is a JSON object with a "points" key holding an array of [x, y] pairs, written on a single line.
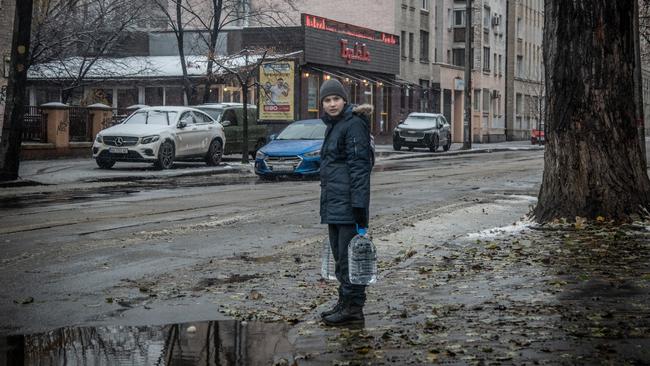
{"points": [[296, 151]]}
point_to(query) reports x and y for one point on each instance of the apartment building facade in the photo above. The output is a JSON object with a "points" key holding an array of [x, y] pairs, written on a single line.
{"points": [[432, 58], [488, 66], [525, 73]]}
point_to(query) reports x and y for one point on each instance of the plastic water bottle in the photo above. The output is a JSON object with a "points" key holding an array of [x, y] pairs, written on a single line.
{"points": [[328, 264], [362, 259]]}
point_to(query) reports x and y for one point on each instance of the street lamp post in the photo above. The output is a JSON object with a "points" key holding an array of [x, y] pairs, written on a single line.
{"points": [[467, 124]]}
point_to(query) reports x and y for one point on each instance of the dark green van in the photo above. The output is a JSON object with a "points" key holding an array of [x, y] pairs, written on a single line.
{"points": [[231, 117]]}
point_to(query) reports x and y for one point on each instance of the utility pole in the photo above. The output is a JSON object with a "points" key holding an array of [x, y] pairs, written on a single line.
{"points": [[14, 108], [467, 124]]}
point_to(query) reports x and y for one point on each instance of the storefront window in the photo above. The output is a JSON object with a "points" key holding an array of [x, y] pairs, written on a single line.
{"points": [[174, 96], [104, 96], [213, 97], [385, 109], [153, 96], [127, 97], [312, 96], [76, 97], [47, 95], [366, 98], [367, 93], [231, 95], [354, 92]]}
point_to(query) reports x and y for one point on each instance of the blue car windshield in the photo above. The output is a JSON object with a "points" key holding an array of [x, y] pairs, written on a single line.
{"points": [[303, 131]]}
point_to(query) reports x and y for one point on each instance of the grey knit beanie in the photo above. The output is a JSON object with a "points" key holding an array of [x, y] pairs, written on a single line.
{"points": [[333, 87]]}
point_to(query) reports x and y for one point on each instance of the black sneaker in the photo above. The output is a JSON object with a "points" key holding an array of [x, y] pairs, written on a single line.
{"points": [[347, 314]]}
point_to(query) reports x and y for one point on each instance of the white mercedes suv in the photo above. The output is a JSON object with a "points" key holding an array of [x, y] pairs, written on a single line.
{"points": [[161, 135]]}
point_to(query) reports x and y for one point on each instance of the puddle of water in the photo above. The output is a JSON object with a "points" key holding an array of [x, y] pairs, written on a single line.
{"points": [[209, 343]]}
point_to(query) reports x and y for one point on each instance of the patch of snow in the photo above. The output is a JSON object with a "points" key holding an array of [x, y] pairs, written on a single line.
{"points": [[519, 197], [141, 66], [515, 228]]}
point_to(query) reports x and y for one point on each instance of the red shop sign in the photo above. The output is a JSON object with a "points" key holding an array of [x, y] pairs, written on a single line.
{"points": [[358, 52]]}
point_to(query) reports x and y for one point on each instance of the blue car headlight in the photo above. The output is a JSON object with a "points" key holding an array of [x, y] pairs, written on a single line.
{"points": [[260, 155], [312, 154]]}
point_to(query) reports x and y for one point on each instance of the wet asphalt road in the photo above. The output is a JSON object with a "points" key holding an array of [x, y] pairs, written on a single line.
{"points": [[68, 249]]}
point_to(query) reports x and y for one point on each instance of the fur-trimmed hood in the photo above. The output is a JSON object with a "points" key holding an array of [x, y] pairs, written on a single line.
{"points": [[363, 110]]}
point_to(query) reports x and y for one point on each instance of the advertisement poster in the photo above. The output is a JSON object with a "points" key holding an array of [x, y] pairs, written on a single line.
{"points": [[276, 94]]}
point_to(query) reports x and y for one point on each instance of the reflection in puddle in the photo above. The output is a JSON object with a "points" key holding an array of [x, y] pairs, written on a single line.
{"points": [[202, 343]]}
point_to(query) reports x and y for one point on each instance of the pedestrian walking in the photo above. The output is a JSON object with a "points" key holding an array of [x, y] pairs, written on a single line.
{"points": [[345, 191]]}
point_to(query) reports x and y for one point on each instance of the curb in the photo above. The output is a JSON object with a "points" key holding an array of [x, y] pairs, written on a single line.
{"points": [[228, 169], [463, 152]]}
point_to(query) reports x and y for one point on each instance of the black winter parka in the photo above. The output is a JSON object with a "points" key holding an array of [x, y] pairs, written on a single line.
{"points": [[345, 165]]}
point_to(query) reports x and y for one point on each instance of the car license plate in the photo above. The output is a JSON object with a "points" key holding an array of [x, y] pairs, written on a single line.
{"points": [[118, 150], [410, 138], [282, 167]]}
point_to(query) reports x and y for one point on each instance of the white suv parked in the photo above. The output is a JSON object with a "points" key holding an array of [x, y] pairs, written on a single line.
{"points": [[161, 135]]}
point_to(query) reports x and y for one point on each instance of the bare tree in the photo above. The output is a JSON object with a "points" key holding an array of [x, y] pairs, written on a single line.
{"points": [[177, 21], [593, 163], [243, 67], [70, 38], [209, 18]]}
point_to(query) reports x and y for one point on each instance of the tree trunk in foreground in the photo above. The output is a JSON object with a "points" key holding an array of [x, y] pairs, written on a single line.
{"points": [[593, 164], [14, 108]]}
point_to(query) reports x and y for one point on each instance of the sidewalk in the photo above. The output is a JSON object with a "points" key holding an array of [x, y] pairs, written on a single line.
{"points": [[457, 286]]}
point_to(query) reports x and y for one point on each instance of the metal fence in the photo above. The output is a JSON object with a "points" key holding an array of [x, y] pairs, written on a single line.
{"points": [[80, 124], [34, 128]]}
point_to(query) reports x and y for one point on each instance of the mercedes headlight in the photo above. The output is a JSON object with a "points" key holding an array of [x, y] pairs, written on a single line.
{"points": [[149, 139], [312, 154], [260, 155], [99, 139]]}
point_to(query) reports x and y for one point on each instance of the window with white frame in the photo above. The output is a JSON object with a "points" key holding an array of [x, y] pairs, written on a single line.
{"points": [[459, 17], [486, 100], [487, 17], [425, 5]]}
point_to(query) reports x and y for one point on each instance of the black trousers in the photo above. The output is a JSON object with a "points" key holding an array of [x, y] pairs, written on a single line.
{"points": [[340, 236]]}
